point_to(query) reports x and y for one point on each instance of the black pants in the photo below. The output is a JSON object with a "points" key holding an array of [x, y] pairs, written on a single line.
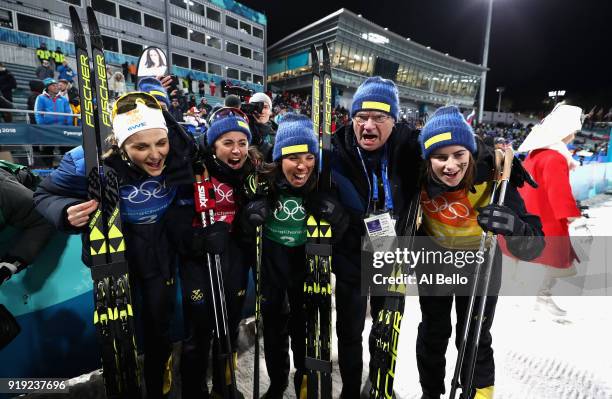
{"points": [[157, 300], [199, 315], [432, 340], [282, 307]]}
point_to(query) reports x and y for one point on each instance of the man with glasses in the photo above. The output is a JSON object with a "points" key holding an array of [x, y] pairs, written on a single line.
{"points": [[375, 168]]}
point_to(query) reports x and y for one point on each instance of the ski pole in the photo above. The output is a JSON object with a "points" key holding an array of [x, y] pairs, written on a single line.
{"points": [[502, 159]]}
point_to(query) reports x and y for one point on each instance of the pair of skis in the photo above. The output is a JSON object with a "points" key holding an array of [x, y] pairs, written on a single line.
{"points": [[317, 286], [204, 193], [386, 327], [113, 316]]}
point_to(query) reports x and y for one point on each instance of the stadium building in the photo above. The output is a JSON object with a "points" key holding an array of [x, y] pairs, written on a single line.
{"points": [[208, 40], [360, 48]]}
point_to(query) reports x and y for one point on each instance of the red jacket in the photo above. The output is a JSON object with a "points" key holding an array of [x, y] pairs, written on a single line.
{"points": [[554, 202]]}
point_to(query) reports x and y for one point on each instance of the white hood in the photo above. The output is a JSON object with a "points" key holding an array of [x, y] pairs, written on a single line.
{"points": [[561, 122]]}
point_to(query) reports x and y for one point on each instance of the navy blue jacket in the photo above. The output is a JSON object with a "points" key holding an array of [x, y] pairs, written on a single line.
{"points": [[350, 176]]}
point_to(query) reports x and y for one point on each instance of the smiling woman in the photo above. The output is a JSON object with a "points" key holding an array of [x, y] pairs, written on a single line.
{"points": [[151, 155]]}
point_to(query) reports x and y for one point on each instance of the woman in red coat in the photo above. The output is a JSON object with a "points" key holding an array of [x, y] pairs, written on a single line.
{"points": [[549, 163]]}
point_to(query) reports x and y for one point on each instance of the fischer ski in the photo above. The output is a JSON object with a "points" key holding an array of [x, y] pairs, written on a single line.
{"points": [[386, 327], [204, 193], [317, 286], [113, 315]]}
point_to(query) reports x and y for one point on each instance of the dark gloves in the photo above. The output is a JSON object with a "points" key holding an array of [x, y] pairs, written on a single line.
{"points": [[500, 219], [324, 206], [519, 176], [255, 214], [211, 239]]}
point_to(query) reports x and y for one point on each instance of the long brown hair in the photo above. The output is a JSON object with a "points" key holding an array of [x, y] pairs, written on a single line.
{"points": [[466, 183]]}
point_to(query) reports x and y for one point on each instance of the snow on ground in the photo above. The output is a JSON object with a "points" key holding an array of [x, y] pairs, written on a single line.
{"points": [[537, 356]]}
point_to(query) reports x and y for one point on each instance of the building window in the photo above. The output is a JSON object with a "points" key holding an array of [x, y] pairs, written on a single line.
{"points": [[233, 73], [245, 76], [214, 42], [110, 43], [105, 7], [197, 8], [180, 60], [213, 14], [74, 2], [258, 79], [198, 65], [153, 22], [231, 48], [258, 32], [231, 22], [6, 19], [245, 52], [244, 27], [33, 25], [179, 3], [127, 14], [178, 30], [257, 56], [198, 37], [130, 48], [214, 68]]}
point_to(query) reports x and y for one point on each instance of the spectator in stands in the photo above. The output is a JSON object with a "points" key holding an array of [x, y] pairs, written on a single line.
{"points": [[65, 72], [133, 70], [50, 101], [43, 53], [192, 102], [58, 57], [204, 106], [116, 84], [262, 129], [500, 143], [212, 86], [44, 71], [36, 87], [75, 106], [176, 110], [7, 84], [201, 88], [67, 90]]}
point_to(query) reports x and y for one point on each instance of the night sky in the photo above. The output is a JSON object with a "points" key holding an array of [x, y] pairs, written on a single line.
{"points": [[536, 45]]}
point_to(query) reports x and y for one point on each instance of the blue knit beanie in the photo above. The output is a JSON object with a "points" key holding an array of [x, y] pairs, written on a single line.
{"points": [[376, 94], [230, 123], [49, 81], [154, 87], [295, 134], [447, 126]]}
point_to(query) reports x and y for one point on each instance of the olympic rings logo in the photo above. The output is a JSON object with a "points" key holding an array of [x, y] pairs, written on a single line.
{"points": [[450, 211], [147, 190], [227, 195], [289, 209]]}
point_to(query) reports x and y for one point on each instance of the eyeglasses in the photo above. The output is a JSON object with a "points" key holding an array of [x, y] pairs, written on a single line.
{"points": [[129, 101], [361, 119], [224, 112]]}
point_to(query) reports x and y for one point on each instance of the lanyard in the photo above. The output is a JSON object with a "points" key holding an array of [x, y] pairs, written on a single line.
{"points": [[385, 178]]}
